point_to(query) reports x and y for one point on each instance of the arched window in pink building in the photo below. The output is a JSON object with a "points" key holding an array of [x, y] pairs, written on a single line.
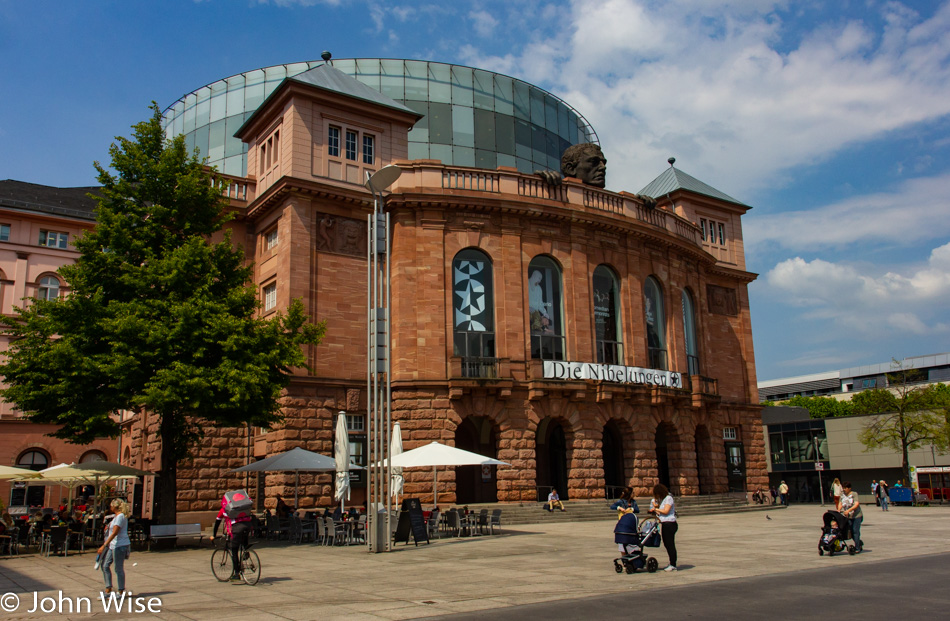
{"points": [[49, 288]]}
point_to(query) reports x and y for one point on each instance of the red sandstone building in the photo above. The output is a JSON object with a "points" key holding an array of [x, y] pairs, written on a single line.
{"points": [[585, 337]]}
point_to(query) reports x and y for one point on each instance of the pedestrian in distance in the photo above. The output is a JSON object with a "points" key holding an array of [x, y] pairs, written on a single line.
{"points": [[882, 496], [663, 508], [836, 493], [783, 493]]}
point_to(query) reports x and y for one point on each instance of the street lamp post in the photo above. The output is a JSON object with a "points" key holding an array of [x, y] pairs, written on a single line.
{"points": [[378, 342], [819, 466]]}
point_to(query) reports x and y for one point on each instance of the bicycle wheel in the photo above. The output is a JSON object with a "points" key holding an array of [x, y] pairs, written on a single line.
{"points": [[250, 567], [221, 564]]}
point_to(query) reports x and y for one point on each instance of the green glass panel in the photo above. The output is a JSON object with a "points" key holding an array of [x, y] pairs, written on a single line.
{"points": [[216, 140], [485, 129], [484, 90], [418, 150], [503, 95], [522, 101], [485, 159], [441, 152], [463, 127], [440, 86], [462, 86], [505, 134], [440, 123], [463, 156]]}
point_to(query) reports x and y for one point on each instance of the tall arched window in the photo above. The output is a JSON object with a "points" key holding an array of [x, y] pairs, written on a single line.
{"points": [[49, 288], [473, 313], [689, 334], [656, 323], [545, 309], [607, 333]]}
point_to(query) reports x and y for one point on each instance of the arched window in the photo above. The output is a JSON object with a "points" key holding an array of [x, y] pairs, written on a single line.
{"points": [[545, 309], [607, 333], [33, 460], [689, 334], [49, 288], [656, 323], [473, 313], [90, 456]]}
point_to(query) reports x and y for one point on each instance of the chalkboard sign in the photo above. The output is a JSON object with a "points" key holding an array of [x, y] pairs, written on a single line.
{"points": [[411, 522]]}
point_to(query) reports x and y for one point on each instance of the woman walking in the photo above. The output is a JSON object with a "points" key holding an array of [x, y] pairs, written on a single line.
{"points": [[836, 493], [662, 507], [116, 546]]}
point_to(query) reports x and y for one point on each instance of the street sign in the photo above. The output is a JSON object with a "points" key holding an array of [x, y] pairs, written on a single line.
{"points": [[819, 465]]}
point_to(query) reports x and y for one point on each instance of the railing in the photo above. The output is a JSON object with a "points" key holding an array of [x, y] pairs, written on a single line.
{"points": [[570, 193], [609, 352], [547, 347], [657, 358], [235, 188], [484, 368], [537, 188], [692, 364], [470, 180], [607, 201], [708, 385]]}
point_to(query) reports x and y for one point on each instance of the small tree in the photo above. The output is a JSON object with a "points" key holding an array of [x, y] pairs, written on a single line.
{"points": [[821, 407], [158, 319], [907, 418]]}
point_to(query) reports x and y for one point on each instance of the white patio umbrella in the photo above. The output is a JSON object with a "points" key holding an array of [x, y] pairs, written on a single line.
{"points": [[395, 448], [71, 476], [9, 472], [436, 454], [341, 454], [295, 460]]}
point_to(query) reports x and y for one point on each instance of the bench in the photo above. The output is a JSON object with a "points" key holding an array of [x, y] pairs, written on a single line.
{"points": [[174, 531]]}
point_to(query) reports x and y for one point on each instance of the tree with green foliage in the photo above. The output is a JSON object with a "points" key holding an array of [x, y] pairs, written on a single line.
{"points": [[821, 407], [908, 417], [157, 319]]}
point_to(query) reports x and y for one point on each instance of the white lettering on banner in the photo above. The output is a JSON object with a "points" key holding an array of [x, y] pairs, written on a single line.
{"points": [[554, 369]]}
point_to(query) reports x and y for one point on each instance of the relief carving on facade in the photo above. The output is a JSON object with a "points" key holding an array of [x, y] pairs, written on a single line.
{"points": [[340, 235], [722, 300]]}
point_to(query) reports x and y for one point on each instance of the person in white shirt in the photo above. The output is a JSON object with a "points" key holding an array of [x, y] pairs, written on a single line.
{"points": [[663, 508], [555, 501], [116, 546]]}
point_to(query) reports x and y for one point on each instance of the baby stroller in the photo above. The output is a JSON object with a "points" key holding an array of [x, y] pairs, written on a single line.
{"points": [[834, 534], [634, 536]]}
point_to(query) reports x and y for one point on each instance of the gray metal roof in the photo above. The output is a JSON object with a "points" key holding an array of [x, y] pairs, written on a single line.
{"points": [[328, 78], [68, 202], [673, 179], [916, 362]]}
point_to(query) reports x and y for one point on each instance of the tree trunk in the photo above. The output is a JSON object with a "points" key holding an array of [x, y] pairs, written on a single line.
{"points": [[168, 477]]}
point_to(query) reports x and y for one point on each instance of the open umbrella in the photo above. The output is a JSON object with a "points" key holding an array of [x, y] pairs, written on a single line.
{"points": [[295, 460], [436, 454], [73, 475], [9, 472], [395, 448], [341, 454]]}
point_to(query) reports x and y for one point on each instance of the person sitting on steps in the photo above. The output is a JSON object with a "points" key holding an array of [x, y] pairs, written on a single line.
{"points": [[554, 501]]}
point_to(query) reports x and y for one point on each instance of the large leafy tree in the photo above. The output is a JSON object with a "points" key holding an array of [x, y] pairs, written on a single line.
{"points": [[909, 416], [158, 318]]}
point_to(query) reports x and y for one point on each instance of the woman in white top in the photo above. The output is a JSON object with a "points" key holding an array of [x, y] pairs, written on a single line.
{"points": [[836, 493], [116, 546], [662, 507]]}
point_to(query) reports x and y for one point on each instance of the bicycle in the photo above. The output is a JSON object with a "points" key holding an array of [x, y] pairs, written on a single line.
{"points": [[250, 563]]}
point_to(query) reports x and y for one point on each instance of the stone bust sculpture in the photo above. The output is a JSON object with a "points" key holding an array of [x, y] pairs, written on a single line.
{"points": [[586, 162]]}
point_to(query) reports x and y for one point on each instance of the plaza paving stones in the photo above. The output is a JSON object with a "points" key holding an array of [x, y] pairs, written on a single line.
{"points": [[527, 564]]}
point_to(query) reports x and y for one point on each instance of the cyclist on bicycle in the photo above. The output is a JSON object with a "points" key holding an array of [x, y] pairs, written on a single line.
{"points": [[237, 531]]}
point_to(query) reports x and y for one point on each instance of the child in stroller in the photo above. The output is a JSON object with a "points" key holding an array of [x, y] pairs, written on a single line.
{"points": [[834, 534], [632, 537]]}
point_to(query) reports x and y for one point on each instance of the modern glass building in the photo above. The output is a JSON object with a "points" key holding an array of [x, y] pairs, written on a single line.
{"points": [[471, 117]]}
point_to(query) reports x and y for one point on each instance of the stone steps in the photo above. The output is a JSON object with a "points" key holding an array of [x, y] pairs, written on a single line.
{"points": [[585, 511]]}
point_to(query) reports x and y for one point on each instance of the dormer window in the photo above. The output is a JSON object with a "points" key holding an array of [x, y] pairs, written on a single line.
{"points": [[713, 232], [270, 152]]}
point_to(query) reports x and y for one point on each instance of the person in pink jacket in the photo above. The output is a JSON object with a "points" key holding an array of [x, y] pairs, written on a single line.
{"points": [[237, 531]]}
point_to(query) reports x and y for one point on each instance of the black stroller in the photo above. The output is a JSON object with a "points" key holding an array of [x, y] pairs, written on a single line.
{"points": [[634, 536], [834, 534]]}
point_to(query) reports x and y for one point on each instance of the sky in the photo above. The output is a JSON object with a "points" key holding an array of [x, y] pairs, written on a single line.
{"points": [[831, 119]]}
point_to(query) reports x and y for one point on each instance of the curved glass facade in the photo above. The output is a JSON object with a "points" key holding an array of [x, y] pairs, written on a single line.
{"points": [[472, 117]]}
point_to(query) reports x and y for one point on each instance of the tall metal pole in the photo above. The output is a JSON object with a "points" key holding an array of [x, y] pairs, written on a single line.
{"points": [[379, 389], [821, 487]]}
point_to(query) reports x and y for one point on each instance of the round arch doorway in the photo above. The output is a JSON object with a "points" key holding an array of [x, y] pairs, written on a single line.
{"points": [[612, 450], [476, 484], [551, 459]]}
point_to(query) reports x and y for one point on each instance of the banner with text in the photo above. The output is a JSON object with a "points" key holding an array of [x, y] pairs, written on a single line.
{"points": [[555, 369]]}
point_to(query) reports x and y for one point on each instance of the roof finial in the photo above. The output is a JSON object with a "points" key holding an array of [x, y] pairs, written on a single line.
{"points": [[671, 160], [326, 56]]}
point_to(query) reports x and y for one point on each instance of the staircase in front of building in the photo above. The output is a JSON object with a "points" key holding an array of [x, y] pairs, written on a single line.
{"points": [[593, 510]]}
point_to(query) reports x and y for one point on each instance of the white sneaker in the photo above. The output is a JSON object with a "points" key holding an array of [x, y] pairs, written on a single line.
{"points": [[669, 568]]}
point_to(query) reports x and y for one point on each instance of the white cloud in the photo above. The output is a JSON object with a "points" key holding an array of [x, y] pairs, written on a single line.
{"points": [[857, 300], [914, 212], [483, 22], [710, 83]]}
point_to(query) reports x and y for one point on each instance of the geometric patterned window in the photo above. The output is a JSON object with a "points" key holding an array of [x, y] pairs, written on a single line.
{"points": [[473, 316]]}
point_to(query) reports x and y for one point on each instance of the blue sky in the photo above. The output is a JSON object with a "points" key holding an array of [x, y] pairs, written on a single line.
{"points": [[832, 119]]}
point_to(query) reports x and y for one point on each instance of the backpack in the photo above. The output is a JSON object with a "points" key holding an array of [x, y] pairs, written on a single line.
{"points": [[238, 505]]}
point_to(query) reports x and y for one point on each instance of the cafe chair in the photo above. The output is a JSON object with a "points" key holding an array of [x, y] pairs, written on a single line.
{"points": [[56, 539], [432, 526], [495, 520]]}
